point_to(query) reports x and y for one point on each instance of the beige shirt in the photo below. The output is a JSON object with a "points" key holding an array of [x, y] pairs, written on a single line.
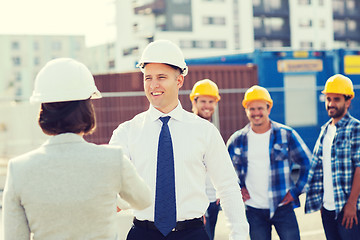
{"points": [[67, 189]]}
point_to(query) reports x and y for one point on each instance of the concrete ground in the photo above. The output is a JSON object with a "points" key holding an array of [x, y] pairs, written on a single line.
{"points": [[310, 225]]}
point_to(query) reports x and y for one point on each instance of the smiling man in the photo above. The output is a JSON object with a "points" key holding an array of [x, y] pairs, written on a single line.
{"points": [[174, 150], [204, 97], [334, 178], [264, 153]]}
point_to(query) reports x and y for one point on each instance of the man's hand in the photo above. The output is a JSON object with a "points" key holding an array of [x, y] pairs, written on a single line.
{"points": [[349, 217], [287, 199], [245, 194]]}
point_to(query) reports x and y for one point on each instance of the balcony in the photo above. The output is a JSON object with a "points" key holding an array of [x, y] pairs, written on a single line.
{"points": [[348, 13], [271, 12]]}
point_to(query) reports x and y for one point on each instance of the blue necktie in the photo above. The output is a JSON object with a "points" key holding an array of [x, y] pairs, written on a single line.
{"points": [[165, 202]]}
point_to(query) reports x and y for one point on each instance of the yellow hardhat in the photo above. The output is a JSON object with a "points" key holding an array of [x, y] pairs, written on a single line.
{"points": [[339, 84], [257, 93], [205, 87]]}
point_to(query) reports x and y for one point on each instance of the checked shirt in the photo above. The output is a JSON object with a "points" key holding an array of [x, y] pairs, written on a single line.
{"points": [[286, 148], [345, 157]]}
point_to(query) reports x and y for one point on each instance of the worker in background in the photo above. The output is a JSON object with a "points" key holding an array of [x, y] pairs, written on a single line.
{"points": [[334, 178], [67, 188], [204, 97], [170, 148], [264, 153]]}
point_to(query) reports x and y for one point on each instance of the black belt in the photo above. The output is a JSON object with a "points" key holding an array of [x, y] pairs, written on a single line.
{"points": [[182, 225]]}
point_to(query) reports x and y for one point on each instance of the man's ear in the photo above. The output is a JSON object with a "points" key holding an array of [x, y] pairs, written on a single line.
{"points": [[180, 80], [348, 103]]}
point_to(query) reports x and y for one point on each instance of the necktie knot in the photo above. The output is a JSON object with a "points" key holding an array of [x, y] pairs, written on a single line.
{"points": [[165, 120]]}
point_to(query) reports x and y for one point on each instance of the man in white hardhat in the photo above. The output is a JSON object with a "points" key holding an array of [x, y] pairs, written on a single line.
{"points": [[67, 188], [173, 150]]}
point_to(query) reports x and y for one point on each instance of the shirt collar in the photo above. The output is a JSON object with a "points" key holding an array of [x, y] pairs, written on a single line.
{"points": [[176, 113], [343, 121]]}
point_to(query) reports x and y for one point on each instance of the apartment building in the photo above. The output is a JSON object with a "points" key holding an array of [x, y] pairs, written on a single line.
{"points": [[210, 27], [22, 56]]}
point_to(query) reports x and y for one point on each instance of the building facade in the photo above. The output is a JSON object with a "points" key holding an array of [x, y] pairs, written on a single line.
{"points": [[213, 27], [22, 56]]}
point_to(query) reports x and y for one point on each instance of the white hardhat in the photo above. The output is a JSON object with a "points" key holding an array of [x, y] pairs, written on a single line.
{"points": [[64, 79], [163, 51]]}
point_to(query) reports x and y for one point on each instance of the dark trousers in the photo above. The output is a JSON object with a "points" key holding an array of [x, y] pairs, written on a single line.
{"points": [[284, 221], [211, 218], [140, 233], [333, 228]]}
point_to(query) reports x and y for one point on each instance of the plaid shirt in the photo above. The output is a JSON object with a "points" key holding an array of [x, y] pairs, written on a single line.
{"points": [[345, 157], [286, 148]]}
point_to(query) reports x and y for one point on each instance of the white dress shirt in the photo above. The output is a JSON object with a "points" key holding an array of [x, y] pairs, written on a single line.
{"points": [[196, 143]]}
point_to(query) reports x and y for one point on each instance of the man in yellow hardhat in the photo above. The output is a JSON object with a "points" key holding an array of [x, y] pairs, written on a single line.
{"points": [[264, 153], [204, 97], [334, 178]]}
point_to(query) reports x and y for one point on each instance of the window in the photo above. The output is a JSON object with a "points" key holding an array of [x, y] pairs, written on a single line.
{"points": [[15, 45], [36, 61], [339, 27], [18, 77], [16, 61], [186, 44], [214, 20], [322, 23], [306, 44], [304, 2], [352, 25], [256, 3], [130, 51], [350, 4], [181, 21], [274, 24], [111, 64], [300, 96], [257, 22], [338, 6], [181, 1], [56, 46], [305, 23], [36, 45], [218, 44]]}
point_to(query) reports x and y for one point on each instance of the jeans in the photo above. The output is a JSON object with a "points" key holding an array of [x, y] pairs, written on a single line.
{"points": [[211, 218], [333, 228], [284, 221]]}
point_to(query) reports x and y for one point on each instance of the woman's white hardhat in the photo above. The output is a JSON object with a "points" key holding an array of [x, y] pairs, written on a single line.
{"points": [[64, 79]]}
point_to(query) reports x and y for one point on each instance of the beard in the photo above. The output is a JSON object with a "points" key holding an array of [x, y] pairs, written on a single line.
{"points": [[339, 112]]}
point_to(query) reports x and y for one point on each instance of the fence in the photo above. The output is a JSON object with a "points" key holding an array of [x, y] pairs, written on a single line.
{"points": [[124, 97]]}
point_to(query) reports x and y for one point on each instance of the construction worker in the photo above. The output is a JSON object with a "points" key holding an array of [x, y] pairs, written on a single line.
{"points": [[66, 188], [334, 178], [170, 148], [264, 153], [204, 97]]}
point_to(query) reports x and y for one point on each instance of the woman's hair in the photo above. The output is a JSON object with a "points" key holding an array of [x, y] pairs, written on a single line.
{"points": [[67, 117]]}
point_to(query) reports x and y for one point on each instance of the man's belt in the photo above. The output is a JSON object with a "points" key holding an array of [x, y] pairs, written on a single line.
{"points": [[181, 225]]}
